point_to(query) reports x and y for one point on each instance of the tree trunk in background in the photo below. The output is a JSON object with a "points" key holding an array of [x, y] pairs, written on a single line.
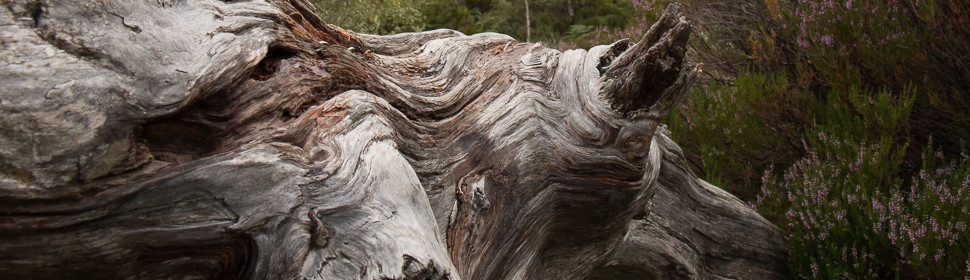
{"points": [[528, 23], [248, 139], [569, 8]]}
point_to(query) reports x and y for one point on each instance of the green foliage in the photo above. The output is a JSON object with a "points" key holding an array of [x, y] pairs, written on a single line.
{"points": [[371, 16], [578, 30], [642, 14], [551, 20], [867, 118], [739, 130], [453, 15]]}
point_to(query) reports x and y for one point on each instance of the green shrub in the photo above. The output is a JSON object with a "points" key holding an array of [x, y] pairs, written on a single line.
{"points": [[449, 14], [371, 16], [739, 130]]}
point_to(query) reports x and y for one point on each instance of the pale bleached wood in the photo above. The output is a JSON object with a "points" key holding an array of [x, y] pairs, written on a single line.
{"points": [[249, 139]]}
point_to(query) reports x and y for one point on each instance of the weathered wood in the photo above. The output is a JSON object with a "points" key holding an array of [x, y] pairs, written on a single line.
{"points": [[695, 231], [171, 139]]}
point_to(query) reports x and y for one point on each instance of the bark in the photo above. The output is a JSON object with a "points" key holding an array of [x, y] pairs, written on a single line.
{"points": [[249, 139]]}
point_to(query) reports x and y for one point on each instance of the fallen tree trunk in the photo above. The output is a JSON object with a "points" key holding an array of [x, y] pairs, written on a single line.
{"points": [[172, 139]]}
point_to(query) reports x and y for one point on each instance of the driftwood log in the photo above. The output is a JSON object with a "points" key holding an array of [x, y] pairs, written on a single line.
{"points": [[248, 139]]}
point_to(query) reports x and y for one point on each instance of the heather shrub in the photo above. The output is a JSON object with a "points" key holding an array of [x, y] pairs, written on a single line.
{"points": [[848, 217], [847, 42], [818, 112], [887, 44], [827, 47]]}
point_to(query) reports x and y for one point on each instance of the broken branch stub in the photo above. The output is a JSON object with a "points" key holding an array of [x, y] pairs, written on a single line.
{"points": [[651, 76]]}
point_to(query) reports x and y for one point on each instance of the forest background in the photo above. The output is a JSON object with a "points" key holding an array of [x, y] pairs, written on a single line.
{"points": [[844, 122]]}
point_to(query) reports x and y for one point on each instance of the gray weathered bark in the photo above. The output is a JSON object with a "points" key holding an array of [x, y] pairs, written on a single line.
{"points": [[248, 139]]}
